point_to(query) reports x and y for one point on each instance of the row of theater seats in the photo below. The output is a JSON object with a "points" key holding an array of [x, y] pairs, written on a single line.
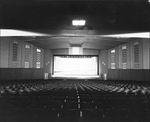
{"points": [[21, 87], [59, 100]]}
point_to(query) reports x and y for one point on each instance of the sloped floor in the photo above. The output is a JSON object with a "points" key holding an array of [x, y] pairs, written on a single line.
{"points": [[74, 101]]}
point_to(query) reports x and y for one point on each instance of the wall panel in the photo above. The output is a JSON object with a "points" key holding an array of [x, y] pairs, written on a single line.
{"points": [[13, 64], [23, 55], [117, 59], [129, 74], [124, 57], [47, 62], [146, 54], [90, 52], [32, 57], [0, 52], [134, 64], [60, 51], [4, 52], [109, 59], [35, 58], [21, 73], [103, 61]]}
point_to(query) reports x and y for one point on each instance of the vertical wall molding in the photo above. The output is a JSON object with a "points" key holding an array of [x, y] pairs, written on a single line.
{"points": [[109, 59], [113, 58], [47, 62], [128, 56], [32, 56], [117, 59], [103, 61], [134, 64], [0, 52], [23, 56], [4, 52], [146, 53]]}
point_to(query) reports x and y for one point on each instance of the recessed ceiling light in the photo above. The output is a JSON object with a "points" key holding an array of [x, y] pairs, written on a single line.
{"points": [[78, 22]]}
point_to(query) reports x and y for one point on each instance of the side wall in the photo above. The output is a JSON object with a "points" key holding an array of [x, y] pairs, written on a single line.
{"points": [[140, 73], [20, 71]]}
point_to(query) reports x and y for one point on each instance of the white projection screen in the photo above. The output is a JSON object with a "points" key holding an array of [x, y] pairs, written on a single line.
{"points": [[75, 66]]}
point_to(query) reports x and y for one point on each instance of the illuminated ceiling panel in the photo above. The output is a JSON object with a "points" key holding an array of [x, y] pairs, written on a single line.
{"points": [[11, 32]]}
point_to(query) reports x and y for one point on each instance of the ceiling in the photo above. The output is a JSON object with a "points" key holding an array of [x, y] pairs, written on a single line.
{"points": [[53, 18], [89, 42]]}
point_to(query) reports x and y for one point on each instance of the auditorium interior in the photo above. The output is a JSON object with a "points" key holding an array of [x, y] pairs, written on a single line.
{"points": [[75, 61]]}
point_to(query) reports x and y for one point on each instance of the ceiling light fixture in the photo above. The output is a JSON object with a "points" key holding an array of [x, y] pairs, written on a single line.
{"points": [[78, 22]]}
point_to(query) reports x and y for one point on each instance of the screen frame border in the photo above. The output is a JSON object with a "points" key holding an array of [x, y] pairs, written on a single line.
{"points": [[79, 56]]}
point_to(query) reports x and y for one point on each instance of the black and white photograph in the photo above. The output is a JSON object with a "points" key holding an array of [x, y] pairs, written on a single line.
{"points": [[74, 60]]}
